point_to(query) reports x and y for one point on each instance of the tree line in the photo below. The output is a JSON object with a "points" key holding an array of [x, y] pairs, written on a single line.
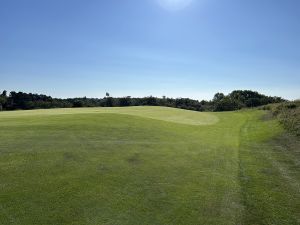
{"points": [[234, 101]]}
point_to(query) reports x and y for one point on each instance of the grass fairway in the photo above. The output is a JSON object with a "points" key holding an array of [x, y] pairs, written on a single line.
{"points": [[146, 166]]}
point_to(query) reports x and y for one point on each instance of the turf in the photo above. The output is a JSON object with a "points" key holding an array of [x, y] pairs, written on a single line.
{"points": [[146, 166], [160, 113]]}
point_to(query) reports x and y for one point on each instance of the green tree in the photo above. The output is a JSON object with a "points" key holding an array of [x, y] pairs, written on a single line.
{"points": [[4, 94], [126, 101], [3, 100], [226, 104], [218, 97]]}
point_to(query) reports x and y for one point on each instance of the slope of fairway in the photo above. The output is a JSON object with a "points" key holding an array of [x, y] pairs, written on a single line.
{"points": [[159, 113], [146, 166]]}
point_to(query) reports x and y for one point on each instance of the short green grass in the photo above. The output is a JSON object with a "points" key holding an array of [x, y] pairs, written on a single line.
{"points": [[146, 166], [160, 113]]}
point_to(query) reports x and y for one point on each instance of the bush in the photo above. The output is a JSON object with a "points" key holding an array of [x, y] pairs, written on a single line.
{"points": [[288, 114]]}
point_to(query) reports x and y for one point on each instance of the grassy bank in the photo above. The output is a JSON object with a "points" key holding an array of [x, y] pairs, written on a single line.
{"points": [[289, 115]]}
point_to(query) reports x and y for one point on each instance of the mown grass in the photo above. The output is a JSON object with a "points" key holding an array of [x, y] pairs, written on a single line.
{"points": [[146, 165], [160, 113]]}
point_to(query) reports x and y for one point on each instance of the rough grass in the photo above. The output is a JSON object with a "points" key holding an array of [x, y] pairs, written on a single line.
{"points": [[146, 165], [289, 115]]}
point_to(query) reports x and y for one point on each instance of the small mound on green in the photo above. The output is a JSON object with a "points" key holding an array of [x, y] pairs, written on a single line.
{"points": [[153, 112]]}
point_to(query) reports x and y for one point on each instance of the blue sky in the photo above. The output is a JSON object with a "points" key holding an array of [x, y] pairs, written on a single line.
{"points": [[178, 48]]}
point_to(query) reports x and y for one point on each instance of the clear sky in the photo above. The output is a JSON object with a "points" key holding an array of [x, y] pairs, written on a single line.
{"points": [[177, 48]]}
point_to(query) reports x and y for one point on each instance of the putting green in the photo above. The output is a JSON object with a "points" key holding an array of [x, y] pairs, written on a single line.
{"points": [[159, 113]]}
